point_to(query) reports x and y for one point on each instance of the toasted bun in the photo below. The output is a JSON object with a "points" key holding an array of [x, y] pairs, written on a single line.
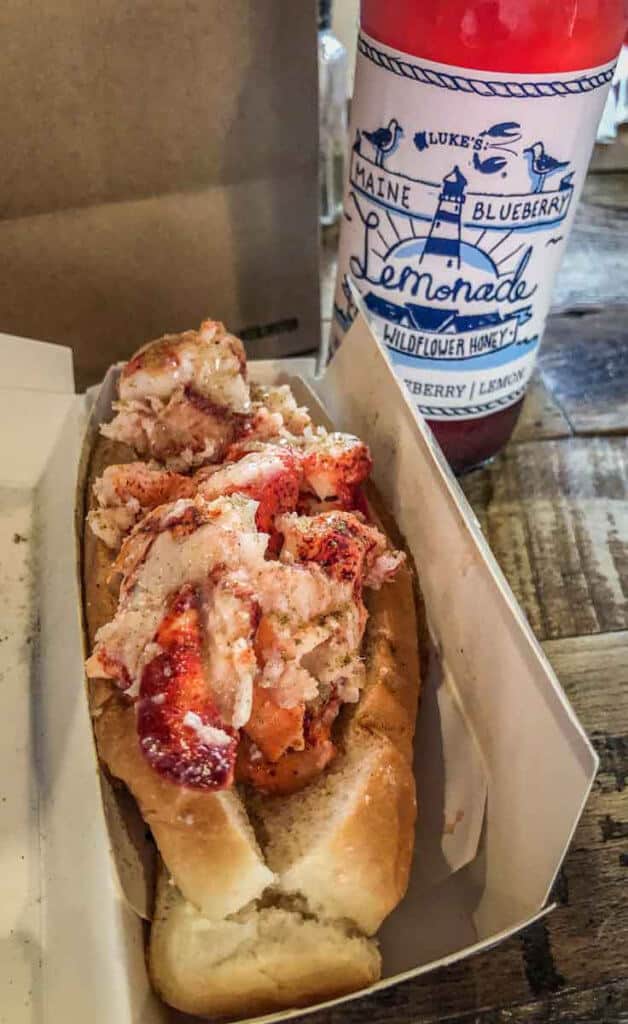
{"points": [[205, 839], [345, 843], [262, 959], [332, 860]]}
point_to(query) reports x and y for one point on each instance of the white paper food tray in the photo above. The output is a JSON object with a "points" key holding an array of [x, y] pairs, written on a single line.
{"points": [[72, 947]]}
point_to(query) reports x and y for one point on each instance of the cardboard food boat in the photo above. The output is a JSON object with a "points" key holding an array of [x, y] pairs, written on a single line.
{"points": [[503, 766]]}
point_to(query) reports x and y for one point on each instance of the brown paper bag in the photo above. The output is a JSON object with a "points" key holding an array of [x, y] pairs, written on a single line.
{"points": [[159, 166]]}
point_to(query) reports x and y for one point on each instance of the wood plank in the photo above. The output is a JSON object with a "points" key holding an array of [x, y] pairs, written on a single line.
{"points": [[612, 157], [609, 190], [541, 417], [604, 1004], [582, 364], [594, 673], [558, 966], [556, 517], [594, 271]]}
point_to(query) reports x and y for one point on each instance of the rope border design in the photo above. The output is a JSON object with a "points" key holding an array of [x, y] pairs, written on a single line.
{"points": [[471, 410], [457, 83]]}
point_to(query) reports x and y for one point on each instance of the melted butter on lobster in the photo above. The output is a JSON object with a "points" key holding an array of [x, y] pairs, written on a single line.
{"points": [[242, 557], [212, 640], [283, 474]]}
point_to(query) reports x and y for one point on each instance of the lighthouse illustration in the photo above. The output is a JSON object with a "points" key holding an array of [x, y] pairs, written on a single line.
{"points": [[443, 241], [443, 248], [441, 281]]}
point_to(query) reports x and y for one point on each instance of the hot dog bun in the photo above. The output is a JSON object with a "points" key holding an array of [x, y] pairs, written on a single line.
{"points": [[345, 843], [255, 889], [191, 828], [263, 959]]}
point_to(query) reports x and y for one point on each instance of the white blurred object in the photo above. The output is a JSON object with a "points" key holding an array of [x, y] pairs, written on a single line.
{"points": [[616, 109], [345, 24], [333, 84]]}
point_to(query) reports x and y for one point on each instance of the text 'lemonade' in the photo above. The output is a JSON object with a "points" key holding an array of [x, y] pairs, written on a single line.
{"points": [[462, 186]]}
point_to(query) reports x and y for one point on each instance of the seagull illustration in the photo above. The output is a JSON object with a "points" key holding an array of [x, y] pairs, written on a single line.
{"points": [[566, 182], [385, 140], [541, 164]]}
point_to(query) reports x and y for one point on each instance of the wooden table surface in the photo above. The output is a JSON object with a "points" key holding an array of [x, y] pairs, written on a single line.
{"points": [[554, 508]]}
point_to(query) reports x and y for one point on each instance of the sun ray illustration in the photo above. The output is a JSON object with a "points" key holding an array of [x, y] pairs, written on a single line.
{"points": [[499, 242], [509, 256], [386, 231], [479, 238], [406, 232], [418, 270], [393, 225]]}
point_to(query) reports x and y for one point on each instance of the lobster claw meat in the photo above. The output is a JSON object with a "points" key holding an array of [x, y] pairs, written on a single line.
{"points": [[180, 730]]}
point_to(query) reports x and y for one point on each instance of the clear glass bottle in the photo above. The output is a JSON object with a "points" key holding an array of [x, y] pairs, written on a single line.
{"points": [[332, 84]]}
